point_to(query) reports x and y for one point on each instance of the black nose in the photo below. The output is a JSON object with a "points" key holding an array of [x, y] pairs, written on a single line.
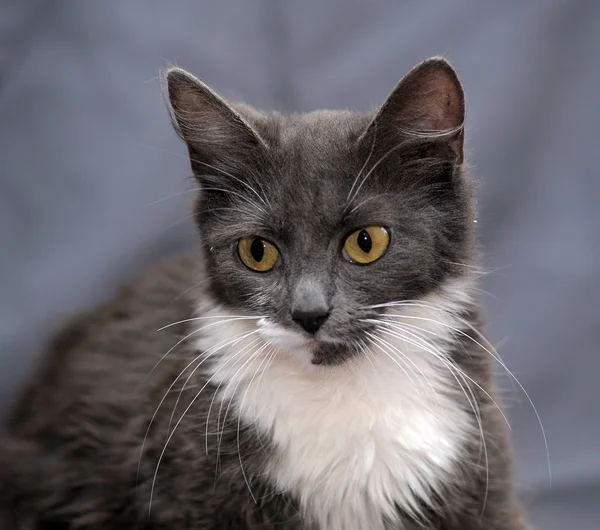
{"points": [[311, 321]]}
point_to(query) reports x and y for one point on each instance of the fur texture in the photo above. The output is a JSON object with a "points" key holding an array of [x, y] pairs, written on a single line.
{"points": [[232, 414]]}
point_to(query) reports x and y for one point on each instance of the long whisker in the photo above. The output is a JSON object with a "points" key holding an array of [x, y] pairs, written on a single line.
{"points": [[368, 199], [422, 344], [483, 291], [215, 393], [222, 321], [176, 194], [272, 356], [236, 317], [365, 351], [452, 367], [472, 269], [456, 372], [206, 355], [466, 335], [430, 348], [247, 365], [239, 195], [484, 348], [240, 419], [218, 431], [190, 405], [223, 422], [372, 150], [442, 357], [377, 341], [264, 200], [388, 153], [208, 278], [229, 382], [187, 218], [229, 344]]}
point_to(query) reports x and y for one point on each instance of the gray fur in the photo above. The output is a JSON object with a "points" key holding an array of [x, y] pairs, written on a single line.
{"points": [[70, 458]]}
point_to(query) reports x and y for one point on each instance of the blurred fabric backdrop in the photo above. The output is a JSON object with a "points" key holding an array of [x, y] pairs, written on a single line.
{"points": [[93, 179]]}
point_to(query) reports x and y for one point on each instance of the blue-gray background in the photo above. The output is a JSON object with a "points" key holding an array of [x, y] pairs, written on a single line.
{"points": [[91, 173]]}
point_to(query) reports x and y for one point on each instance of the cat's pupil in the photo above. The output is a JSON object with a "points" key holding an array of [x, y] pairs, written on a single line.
{"points": [[364, 241], [257, 249]]}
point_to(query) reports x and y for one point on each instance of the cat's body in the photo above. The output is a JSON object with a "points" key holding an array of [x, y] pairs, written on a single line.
{"points": [[311, 394]]}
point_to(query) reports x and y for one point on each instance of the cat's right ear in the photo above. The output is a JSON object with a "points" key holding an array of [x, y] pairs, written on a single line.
{"points": [[218, 138]]}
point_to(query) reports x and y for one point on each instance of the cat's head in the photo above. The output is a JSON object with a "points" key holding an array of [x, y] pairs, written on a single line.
{"points": [[315, 221]]}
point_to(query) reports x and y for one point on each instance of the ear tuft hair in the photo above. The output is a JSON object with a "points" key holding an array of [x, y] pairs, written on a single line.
{"points": [[215, 133], [428, 103]]}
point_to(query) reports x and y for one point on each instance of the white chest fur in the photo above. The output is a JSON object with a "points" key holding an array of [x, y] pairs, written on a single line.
{"points": [[351, 441]]}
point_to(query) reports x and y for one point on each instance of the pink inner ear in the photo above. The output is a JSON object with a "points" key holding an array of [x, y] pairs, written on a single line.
{"points": [[427, 101], [215, 133], [430, 101]]}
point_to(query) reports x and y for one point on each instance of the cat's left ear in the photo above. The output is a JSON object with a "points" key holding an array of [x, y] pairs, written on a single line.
{"points": [[217, 136], [428, 103]]}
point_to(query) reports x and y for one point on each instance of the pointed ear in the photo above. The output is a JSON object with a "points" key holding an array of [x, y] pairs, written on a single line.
{"points": [[427, 104], [215, 133]]}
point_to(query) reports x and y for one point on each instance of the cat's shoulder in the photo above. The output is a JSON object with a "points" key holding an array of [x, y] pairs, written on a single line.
{"points": [[158, 297], [93, 392], [119, 342], [162, 286]]}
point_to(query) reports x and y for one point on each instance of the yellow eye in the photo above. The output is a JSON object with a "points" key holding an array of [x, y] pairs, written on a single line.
{"points": [[257, 253], [366, 245]]}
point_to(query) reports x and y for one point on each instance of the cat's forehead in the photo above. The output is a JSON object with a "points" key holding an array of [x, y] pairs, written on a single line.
{"points": [[314, 159], [322, 134], [316, 149]]}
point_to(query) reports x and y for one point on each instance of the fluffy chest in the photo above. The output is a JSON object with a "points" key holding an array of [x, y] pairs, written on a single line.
{"points": [[352, 444], [351, 448]]}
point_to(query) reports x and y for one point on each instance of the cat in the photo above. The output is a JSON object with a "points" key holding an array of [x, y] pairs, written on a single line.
{"points": [[319, 364]]}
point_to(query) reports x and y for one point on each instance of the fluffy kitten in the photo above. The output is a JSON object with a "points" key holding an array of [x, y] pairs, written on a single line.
{"points": [[319, 365]]}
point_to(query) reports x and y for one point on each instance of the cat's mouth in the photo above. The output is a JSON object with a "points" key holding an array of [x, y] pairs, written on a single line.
{"points": [[323, 350], [331, 353]]}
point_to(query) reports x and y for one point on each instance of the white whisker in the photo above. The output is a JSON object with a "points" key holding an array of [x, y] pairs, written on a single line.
{"points": [[372, 150], [472, 400], [167, 197], [494, 356], [222, 317], [175, 428], [272, 356], [361, 203], [215, 393], [383, 157], [215, 349], [447, 359], [188, 289], [262, 199], [240, 419], [222, 321], [388, 346], [247, 365], [206, 354], [239, 195]]}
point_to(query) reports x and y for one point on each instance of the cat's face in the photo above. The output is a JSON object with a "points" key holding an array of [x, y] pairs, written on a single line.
{"points": [[311, 221]]}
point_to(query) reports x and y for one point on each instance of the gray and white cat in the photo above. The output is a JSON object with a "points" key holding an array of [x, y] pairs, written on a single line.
{"points": [[318, 365]]}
